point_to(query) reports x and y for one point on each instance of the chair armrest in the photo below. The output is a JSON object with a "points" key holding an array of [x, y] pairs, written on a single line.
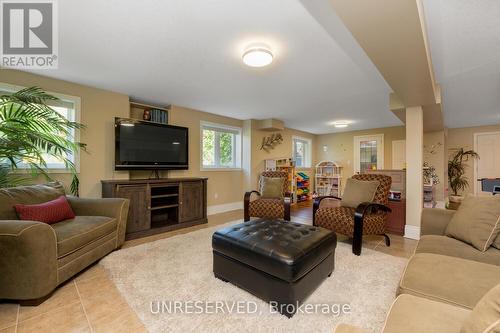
{"points": [[28, 259], [109, 207], [362, 210], [317, 203], [246, 204], [370, 207], [435, 220]]}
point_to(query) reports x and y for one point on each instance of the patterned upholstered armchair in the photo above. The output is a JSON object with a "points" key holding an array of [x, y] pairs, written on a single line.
{"points": [[268, 207], [369, 218]]}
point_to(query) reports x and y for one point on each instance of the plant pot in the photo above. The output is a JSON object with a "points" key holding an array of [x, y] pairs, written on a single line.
{"points": [[454, 201]]}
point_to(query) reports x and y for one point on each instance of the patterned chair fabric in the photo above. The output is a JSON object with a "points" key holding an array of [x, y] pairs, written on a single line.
{"points": [[341, 219], [270, 207], [267, 208]]}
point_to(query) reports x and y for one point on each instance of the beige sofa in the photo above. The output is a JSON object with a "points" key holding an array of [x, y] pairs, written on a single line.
{"points": [[443, 283], [36, 257]]}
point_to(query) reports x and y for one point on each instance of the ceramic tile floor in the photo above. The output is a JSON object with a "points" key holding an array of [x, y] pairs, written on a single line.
{"points": [[91, 303]]}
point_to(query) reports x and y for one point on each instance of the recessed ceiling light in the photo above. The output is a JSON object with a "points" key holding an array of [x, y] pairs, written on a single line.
{"points": [[257, 56], [341, 123]]}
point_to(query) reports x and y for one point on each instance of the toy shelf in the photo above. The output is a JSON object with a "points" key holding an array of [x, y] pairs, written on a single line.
{"points": [[328, 179], [303, 187]]}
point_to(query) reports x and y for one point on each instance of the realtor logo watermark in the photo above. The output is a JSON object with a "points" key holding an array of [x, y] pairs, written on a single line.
{"points": [[197, 307], [29, 36]]}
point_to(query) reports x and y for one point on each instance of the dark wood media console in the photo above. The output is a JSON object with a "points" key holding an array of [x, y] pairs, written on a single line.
{"points": [[159, 205]]}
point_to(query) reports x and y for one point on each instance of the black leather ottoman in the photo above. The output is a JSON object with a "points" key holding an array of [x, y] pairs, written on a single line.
{"points": [[278, 261]]}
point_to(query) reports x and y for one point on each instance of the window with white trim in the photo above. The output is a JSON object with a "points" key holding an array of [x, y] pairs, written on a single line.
{"points": [[302, 152], [220, 146], [69, 108]]}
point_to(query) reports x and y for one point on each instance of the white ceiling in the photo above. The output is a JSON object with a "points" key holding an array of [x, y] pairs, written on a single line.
{"points": [[464, 38], [188, 53]]}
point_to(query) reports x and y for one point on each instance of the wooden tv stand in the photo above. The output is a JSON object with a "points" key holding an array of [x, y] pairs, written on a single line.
{"points": [[160, 205]]}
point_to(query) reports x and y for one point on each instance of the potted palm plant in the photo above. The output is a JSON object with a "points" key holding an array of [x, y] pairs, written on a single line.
{"points": [[456, 175], [30, 132]]}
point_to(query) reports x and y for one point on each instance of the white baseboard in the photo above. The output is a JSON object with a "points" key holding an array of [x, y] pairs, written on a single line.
{"points": [[412, 232], [217, 209]]}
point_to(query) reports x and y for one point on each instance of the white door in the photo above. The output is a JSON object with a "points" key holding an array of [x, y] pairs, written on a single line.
{"points": [[487, 145], [368, 152], [398, 154]]}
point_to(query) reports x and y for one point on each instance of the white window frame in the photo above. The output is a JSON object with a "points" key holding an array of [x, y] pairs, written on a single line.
{"points": [[76, 101], [237, 144], [308, 152], [380, 152]]}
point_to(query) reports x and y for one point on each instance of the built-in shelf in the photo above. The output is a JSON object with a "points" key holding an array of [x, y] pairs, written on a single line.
{"points": [[164, 196], [164, 206]]}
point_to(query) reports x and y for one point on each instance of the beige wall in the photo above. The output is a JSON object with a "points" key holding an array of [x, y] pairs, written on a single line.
{"points": [[340, 147], [464, 137], [284, 149], [98, 109]]}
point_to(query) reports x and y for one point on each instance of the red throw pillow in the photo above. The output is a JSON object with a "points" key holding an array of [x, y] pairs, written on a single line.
{"points": [[53, 211]]}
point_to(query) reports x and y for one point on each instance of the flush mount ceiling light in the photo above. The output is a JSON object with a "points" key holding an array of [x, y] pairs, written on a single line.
{"points": [[257, 56], [341, 123]]}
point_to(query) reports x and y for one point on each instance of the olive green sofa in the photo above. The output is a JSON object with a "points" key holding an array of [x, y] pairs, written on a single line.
{"points": [[37, 257], [448, 286]]}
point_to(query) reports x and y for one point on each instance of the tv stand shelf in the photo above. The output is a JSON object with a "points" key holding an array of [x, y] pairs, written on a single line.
{"points": [[160, 205]]}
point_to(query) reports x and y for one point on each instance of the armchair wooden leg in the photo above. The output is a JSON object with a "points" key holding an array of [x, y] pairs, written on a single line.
{"points": [[357, 237], [387, 240], [357, 243], [287, 203]]}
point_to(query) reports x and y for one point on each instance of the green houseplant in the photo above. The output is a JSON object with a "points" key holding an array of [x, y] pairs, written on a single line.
{"points": [[30, 132], [456, 175]]}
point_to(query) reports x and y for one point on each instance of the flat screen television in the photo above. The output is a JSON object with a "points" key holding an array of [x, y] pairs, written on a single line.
{"points": [[143, 145]]}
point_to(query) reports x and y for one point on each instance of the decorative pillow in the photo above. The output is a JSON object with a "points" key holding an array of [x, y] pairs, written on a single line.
{"points": [[271, 187], [358, 191], [27, 195], [485, 317], [477, 221], [50, 212]]}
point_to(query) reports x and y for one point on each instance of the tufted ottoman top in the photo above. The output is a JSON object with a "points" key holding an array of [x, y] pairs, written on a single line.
{"points": [[283, 249]]}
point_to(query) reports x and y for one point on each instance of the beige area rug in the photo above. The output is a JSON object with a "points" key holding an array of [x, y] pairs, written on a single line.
{"points": [[179, 269]]}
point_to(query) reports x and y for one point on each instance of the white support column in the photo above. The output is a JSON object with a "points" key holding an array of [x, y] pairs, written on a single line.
{"points": [[414, 178]]}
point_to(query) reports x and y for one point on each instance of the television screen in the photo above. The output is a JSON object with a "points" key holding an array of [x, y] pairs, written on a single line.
{"points": [[146, 145]]}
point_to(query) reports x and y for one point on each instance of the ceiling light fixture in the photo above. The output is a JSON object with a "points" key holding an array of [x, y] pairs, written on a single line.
{"points": [[257, 56], [341, 123]]}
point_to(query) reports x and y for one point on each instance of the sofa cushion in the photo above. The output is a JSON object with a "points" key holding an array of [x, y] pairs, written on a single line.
{"points": [[345, 328], [453, 247], [49, 212], [271, 187], [448, 279], [412, 314], [477, 221], [486, 314], [28, 195], [75, 233], [358, 191]]}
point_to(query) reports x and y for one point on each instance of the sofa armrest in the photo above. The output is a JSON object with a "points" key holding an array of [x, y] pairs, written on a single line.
{"points": [[109, 207], [344, 328], [28, 259], [435, 221]]}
